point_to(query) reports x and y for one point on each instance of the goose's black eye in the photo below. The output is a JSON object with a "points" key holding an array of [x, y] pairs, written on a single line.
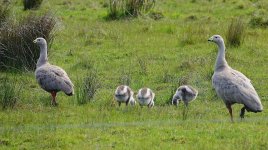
{"points": [[216, 37]]}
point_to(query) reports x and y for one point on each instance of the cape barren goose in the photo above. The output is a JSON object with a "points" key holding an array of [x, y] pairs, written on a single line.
{"points": [[186, 93], [124, 94], [231, 85], [145, 97], [51, 78]]}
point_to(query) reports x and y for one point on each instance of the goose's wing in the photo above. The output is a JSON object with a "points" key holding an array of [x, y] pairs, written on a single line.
{"points": [[62, 74], [53, 78], [234, 87], [240, 75]]}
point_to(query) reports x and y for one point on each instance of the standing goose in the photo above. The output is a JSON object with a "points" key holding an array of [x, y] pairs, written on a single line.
{"points": [[124, 94], [51, 78], [231, 85], [146, 97], [186, 93]]}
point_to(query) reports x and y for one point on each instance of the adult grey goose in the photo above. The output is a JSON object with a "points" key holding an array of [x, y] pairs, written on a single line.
{"points": [[124, 94], [231, 85], [186, 93], [51, 78]]}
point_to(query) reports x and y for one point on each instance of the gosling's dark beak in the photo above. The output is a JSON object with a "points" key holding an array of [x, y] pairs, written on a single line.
{"points": [[35, 41]]}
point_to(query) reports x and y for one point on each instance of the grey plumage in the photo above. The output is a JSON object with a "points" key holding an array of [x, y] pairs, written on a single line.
{"points": [[124, 94], [186, 93], [146, 97], [231, 85], [51, 78]]}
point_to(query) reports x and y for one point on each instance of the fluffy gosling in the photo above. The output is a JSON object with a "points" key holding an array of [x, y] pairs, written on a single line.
{"points": [[186, 93], [124, 94], [145, 97]]}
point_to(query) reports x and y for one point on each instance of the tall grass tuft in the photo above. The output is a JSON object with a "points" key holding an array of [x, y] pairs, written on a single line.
{"points": [[88, 87], [4, 13], [125, 79], [235, 32], [31, 4], [9, 93], [17, 49], [129, 8], [143, 66], [258, 22]]}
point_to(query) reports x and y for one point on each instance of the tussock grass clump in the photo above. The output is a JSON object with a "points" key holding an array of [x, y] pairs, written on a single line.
{"points": [[156, 15], [168, 77], [143, 66], [17, 49], [9, 93], [4, 13], [87, 87], [235, 32], [193, 33], [128, 8], [31, 4], [258, 22], [125, 79]]}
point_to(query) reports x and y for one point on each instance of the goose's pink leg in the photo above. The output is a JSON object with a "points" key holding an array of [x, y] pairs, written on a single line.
{"points": [[53, 101], [229, 107]]}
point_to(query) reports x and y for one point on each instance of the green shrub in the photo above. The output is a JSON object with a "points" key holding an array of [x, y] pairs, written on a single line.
{"points": [[31, 4], [17, 49], [129, 8], [235, 32], [9, 93]]}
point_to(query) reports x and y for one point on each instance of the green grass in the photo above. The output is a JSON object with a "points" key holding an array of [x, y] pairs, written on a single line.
{"points": [[155, 54]]}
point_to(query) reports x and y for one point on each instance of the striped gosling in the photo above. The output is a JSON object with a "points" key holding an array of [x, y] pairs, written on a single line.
{"points": [[124, 94], [146, 96], [186, 93]]}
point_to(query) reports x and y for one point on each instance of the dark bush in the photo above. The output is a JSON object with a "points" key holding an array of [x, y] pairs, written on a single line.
{"points": [[4, 13], [129, 8], [31, 4], [17, 49]]}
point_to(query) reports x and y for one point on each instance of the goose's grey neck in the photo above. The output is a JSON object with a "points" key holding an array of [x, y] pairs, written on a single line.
{"points": [[221, 63], [43, 55]]}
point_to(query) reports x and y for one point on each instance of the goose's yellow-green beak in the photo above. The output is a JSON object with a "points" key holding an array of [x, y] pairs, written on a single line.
{"points": [[35, 41]]}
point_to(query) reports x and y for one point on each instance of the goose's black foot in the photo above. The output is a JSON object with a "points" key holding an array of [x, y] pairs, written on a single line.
{"points": [[242, 113]]}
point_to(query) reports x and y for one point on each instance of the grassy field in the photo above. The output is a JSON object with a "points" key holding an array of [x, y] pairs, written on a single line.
{"points": [[146, 53]]}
